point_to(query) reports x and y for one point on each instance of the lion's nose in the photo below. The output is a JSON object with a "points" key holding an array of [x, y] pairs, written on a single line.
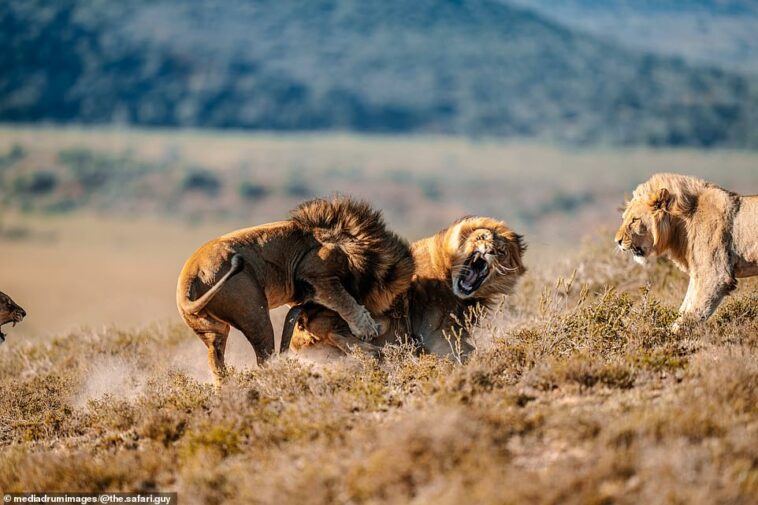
{"points": [[619, 241], [22, 312]]}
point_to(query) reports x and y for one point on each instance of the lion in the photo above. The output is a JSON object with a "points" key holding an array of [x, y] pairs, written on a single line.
{"points": [[10, 312], [473, 262], [336, 252], [707, 231]]}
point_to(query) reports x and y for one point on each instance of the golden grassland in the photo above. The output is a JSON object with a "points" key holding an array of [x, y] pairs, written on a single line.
{"points": [[577, 393]]}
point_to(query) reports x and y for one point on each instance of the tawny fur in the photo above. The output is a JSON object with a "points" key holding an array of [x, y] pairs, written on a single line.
{"points": [[379, 262], [10, 312], [707, 231], [433, 308], [335, 252]]}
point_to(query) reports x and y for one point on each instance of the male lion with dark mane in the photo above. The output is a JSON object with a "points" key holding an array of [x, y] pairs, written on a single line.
{"points": [[337, 253], [471, 263], [10, 312], [708, 232]]}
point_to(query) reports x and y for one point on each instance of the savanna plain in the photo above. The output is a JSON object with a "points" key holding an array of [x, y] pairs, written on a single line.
{"points": [[577, 392]]}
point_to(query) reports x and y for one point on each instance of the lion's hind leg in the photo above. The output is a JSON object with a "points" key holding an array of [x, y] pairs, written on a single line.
{"points": [[328, 326], [347, 343], [213, 333], [245, 307], [310, 324], [257, 328]]}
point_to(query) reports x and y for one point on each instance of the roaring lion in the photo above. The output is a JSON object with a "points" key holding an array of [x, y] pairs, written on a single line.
{"points": [[10, 312], [337, 253], [471, 263], [707, 231]]}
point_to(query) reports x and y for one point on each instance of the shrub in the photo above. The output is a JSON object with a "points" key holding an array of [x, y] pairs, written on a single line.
{"points": [[91, 170], [431, 189], [252, 191], [37, 183], [297, 188], [14, 154], [202, 181]]}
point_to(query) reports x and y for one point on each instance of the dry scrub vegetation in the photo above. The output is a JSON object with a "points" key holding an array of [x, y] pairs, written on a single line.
{"points": [[578, 393]]}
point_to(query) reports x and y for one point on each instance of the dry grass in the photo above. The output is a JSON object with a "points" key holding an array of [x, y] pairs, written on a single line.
{"points": [[578, 393]]}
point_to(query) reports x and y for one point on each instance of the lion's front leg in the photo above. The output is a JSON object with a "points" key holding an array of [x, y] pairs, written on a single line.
{"points": [[702, 299], [332, 295], [688, 298], [685, 307]]}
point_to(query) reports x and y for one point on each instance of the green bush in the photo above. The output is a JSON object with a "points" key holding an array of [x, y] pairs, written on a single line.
{"points": [[202, 181], [297, 188], [91, 170], [38, 183], [252, 191], [14, 154]]}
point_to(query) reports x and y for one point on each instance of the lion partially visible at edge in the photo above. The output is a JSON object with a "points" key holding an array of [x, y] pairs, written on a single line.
{"points": [[10, 312]]}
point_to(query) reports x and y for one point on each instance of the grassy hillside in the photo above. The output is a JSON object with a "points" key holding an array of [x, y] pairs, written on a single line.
{"points": [[577, 394], [474, 67]]}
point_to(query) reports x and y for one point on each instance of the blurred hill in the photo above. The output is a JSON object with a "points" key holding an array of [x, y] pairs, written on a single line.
{"points": [[714, 32], [476, 67]]}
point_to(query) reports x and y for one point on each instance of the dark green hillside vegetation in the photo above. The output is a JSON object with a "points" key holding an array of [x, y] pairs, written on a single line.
{"points": [[577, 394], [479, 67], [714, 32]]}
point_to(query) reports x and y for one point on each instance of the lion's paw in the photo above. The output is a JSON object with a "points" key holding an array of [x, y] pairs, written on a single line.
{"points": [[363, 326]]}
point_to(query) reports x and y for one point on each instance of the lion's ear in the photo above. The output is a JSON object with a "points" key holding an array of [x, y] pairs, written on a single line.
{"points": [[661, 200], [624, 205], [520, 244]]}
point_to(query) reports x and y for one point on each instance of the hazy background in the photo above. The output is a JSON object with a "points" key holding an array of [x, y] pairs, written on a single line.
{"points": [[134, 131]]}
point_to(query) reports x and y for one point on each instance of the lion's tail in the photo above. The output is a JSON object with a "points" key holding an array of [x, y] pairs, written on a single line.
{"points": [[289, 327], [193, 307]]}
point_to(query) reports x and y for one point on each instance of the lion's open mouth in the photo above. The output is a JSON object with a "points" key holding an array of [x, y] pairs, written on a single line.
{"points": [[17, 317], [638, 251], [475, 271]]}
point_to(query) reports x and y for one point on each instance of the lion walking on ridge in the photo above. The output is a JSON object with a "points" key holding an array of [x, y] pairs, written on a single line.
{"points": [[708, 232]]}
